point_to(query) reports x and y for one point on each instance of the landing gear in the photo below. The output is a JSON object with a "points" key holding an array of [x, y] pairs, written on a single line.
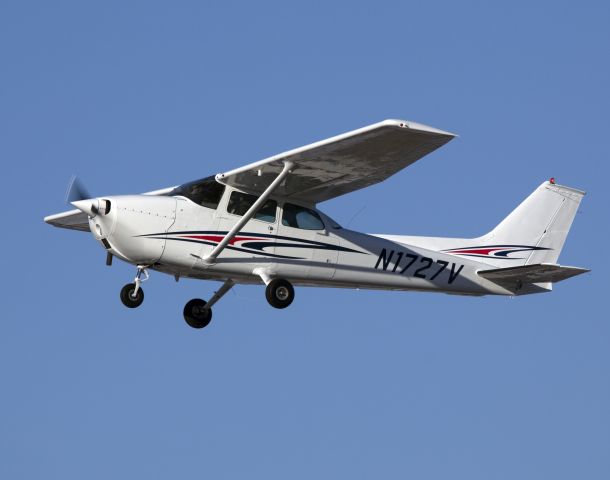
{"points": [[198, 313], [132, 294], [279, 293], [130, 297]]}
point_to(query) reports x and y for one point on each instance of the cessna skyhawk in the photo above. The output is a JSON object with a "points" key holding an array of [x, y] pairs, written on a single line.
{"points": [[259, 224]]}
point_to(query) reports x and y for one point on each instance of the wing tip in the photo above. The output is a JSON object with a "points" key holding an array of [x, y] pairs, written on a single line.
{"points": [[62, 220], [417, 126], [55, 216]]}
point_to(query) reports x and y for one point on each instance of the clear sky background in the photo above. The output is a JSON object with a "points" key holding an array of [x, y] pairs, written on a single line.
{"points": [[134, 96]]}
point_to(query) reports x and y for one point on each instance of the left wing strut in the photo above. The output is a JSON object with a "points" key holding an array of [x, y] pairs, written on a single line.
{"points": [[211, 258]]}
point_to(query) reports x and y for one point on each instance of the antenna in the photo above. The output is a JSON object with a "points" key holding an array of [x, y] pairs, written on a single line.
{"points": [[355, 215]]}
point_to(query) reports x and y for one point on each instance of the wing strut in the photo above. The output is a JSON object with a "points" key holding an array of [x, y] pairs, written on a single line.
{"points": [[211, 258]]}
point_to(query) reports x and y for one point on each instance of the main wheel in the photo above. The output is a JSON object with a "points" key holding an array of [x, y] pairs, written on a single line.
{"points": [[279, 293], [129, 299], [196, 315]]}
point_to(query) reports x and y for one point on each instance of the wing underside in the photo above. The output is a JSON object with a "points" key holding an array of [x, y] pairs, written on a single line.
{"points": [[341, 164], [73, 220]]}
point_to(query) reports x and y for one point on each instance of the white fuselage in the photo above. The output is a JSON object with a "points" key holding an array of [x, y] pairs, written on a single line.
{"points": [[172, 234], [259, 224]]}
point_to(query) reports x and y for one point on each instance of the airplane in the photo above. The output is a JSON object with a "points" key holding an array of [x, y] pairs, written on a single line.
{"points": [[260, 224]]}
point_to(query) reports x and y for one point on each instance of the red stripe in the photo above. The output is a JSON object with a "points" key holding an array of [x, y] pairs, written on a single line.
{"points": [[477, 251], [218, 238]]}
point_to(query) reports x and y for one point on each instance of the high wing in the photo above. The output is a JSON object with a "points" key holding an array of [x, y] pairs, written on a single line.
{"points": [[77, 220], [341, 164], [72, 219], [322, 170]]}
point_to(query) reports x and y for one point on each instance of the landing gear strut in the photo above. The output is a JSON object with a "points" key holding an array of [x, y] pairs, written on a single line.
{"points": [[198, 313], [132, 294]]}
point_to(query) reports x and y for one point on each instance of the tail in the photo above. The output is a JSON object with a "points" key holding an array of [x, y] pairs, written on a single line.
{"points": [[533, 233]]}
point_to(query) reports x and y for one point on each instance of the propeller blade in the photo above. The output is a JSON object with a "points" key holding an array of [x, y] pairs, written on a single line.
{"points": [[76, 191]]}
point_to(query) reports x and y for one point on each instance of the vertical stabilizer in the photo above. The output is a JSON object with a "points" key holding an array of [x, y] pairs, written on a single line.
{"points": [[536, 230]]}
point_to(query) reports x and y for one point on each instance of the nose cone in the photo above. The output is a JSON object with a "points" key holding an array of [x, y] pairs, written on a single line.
{"points": [[89, 206]]}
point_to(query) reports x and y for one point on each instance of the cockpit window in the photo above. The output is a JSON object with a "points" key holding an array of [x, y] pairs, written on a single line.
{"points": [[206, 192], [300, 217], [240, 203]]}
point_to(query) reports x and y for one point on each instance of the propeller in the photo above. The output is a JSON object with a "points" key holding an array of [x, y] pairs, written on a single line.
{"points": [[78, 196], [76, 191]]}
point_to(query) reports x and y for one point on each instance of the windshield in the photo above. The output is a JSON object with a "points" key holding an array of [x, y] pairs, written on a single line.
{"points": [[206, 192]]}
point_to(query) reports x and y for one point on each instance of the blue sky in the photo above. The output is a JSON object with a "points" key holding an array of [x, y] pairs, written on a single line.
{"points": [[134, 96]]}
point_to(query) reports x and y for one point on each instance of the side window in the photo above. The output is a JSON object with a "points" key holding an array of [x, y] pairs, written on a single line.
{"points": [[206, 192], [301, 217], [239, 203]]}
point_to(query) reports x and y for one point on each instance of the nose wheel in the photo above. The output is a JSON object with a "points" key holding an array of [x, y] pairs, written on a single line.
{"points": [[131, 297], [132, 294]]}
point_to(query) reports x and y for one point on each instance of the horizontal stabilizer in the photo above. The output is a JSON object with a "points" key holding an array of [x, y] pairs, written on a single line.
{"points": [[515, 277]]}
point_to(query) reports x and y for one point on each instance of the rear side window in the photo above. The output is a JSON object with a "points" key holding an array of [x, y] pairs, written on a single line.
{"points": [[300, 217], [206, 192], [239, 203]]}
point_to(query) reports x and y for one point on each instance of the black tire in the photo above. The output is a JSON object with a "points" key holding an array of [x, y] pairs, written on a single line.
{"points": [[279, 293], [196, 315], [127, 296]]}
